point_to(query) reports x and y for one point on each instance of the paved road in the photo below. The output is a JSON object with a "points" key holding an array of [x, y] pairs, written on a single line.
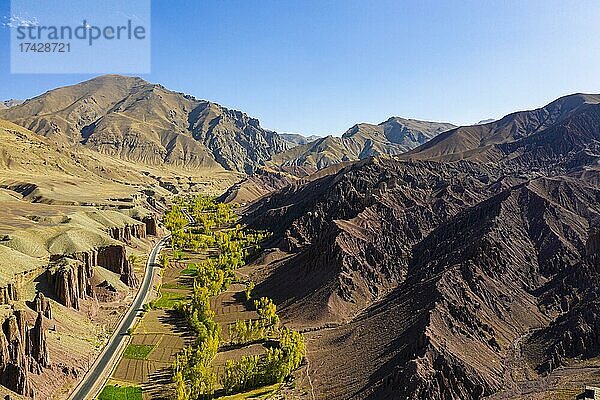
{"points": [[95, 378], [188, 216]]}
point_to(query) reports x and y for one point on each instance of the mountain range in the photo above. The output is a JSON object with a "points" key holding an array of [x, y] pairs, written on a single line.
{"points": [[142, 122], [394, 136], [463, 269], [420, 259], [138, 121]]}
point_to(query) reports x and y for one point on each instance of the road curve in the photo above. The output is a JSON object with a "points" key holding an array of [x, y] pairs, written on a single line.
{"points": [[94, 379]]}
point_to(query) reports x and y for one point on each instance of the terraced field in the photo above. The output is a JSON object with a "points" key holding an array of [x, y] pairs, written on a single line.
{"points": [[162, 333], [162, 330]]}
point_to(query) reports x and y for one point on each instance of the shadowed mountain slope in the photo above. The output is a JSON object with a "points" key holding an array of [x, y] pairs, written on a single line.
{"points": [[469, 276], [565, 119]]}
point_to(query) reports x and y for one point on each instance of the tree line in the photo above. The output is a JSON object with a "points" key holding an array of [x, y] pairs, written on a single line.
{"points": [[193, 374]]}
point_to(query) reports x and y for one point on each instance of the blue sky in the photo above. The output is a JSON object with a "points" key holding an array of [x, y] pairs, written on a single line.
{"points": [[318, 67]]}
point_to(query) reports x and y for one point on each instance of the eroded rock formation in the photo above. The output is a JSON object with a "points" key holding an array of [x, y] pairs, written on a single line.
{"points": [[151, 225], [36, 346], [114, 258], [70, 276], [441, 269], [70, 280], [8, 293], [23, 350], [126, 233], [42, 305]]}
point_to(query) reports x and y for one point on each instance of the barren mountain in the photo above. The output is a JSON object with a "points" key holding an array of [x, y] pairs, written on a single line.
{"points": [[9, 103], [394, 136], [139, 121], [297, 139], [523, 131], [470, 276]]}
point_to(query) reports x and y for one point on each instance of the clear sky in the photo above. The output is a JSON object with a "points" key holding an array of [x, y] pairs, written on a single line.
{"points": [[318, 67]]}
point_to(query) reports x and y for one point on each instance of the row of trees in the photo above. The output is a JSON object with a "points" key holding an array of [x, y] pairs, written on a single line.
{"points": [[193, 374], [210, 214], [243, 332], [266, 369], [174, 219], [199, 315]]}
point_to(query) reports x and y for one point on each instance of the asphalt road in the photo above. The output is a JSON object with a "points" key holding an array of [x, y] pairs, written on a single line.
{"points": [[93, 381], [188, 216]]}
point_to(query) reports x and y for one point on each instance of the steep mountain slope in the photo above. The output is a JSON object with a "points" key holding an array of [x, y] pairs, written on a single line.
{"points": [[297, 139], [138, 121], [460, 278], [394, 136], [9, 103], [499, 140]]}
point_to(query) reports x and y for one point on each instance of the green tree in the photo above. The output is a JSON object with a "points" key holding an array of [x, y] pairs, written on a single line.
{"points": [[248, 290], [163, 260], [132, 260], [267, 311]]}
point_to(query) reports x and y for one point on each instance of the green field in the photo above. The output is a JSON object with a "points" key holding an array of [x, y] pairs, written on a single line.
{"points": [[189, 271], [138, 351], [168, 300], [111, 392]]}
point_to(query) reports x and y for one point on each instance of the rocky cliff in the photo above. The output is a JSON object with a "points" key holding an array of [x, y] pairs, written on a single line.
{"points": [[69, 279], [82, 241], [23, 350], [70, 275], [126, 233], [16, 270]]}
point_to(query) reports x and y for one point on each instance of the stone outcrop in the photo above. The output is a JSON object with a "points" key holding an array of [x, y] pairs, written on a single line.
{"points": [[42, 305], [114, 258], [36, 346], [23, 350], [127, 232], [151, 225], [8, 293], [69, 278]]}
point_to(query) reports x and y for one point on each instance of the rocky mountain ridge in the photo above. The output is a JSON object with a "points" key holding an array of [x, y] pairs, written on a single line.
{"points": [[489, 248], [143, 122], [393, 136]]}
